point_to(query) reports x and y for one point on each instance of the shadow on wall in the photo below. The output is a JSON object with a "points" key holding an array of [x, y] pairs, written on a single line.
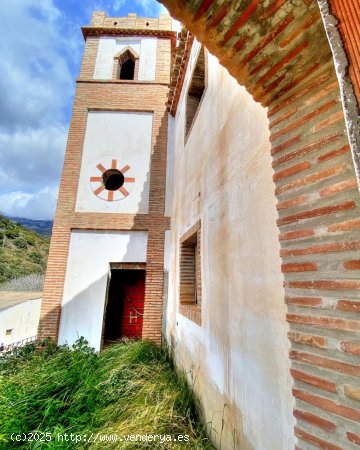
{"points": [[78, 315], [238, 359]]}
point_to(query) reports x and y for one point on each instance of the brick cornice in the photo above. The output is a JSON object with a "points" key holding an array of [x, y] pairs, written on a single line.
{"points": [[180, 63], [112, 221], [123, 32], [107, 31]]}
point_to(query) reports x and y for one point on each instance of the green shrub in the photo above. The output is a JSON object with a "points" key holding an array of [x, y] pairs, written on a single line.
{"points": [[12, 233], [20, 242], [30, 239], [36, 257]]}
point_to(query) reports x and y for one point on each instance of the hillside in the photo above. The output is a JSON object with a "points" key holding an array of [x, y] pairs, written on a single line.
{"points": [[22, 251], [43, 227]]}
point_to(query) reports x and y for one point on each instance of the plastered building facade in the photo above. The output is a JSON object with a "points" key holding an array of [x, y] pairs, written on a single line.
{"points": [[223, 218]]}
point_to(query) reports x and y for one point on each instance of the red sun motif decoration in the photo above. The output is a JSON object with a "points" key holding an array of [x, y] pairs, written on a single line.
{"points": [[112, 185]]}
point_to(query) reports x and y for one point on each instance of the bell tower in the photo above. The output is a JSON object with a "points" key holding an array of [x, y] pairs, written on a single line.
{"points": [[105, 271]]}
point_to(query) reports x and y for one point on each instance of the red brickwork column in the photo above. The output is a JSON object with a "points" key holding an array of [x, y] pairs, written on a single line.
{"points": [[54, 282], [154, 285]]}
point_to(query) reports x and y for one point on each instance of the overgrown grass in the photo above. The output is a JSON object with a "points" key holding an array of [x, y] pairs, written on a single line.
{"points": [[28, 283], [131, 388]]}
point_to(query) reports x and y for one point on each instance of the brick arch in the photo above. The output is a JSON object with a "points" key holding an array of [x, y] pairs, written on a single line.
{"points": [[126, 53], [280, 52]]}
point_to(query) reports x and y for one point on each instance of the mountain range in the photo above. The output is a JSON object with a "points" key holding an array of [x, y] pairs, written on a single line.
{"points": [[43, 227]]}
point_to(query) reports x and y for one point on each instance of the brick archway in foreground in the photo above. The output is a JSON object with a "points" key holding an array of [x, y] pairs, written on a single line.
{"points": [[279, 50]]}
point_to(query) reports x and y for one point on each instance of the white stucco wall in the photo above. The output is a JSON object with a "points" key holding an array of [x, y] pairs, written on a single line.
{"points": [[238, 358], [87, 271], [145, 47], [23, 319], [147, 62], [126, 137]]}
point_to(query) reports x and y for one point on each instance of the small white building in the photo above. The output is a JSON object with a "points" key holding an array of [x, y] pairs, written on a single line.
{"points": [[19, 316]]}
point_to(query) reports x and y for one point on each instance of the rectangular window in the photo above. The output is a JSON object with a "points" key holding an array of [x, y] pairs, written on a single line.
{"points": [[195, 91], [190, 274], [8, 332]]}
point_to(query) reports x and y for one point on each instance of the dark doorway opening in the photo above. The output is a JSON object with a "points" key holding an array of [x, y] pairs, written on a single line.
{"points": [[124, 307]]}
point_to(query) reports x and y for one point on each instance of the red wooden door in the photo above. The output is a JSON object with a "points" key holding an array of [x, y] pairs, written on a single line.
{"points": [[133, 312]]}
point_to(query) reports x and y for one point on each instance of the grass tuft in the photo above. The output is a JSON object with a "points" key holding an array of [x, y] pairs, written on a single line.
{"points": [[131, 388]]}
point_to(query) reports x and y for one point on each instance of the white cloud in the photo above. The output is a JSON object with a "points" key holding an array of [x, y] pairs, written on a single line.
{"points": [[31, 158], [38, 52], [39, 205], [35, 79]]}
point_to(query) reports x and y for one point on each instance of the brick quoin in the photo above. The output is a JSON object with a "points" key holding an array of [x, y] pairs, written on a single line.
{"points": [[347, 225], [326, 322], [299, 267], [328, 405], [318, 442], [351, 347], [299, 153], [352, 392], [339, 187], [352, 265], [348, 305], [304, 301], [315, 420], [318, 382], [354, 438], [326, 363], [294, 235], [307, 339]]}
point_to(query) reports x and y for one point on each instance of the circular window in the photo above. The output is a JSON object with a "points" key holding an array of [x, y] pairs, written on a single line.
{"points": [[113, 179], [112, 184]]}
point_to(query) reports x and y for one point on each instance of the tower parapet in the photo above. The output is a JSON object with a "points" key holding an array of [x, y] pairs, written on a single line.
{"points": [[131, 22]]}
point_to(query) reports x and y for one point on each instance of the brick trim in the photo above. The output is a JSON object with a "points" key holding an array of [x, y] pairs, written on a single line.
{"points": [[128, 266], [159, 83], [109, 31]]}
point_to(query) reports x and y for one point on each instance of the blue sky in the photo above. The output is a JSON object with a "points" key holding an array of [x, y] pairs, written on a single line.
{"points": [[41, 50]]}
